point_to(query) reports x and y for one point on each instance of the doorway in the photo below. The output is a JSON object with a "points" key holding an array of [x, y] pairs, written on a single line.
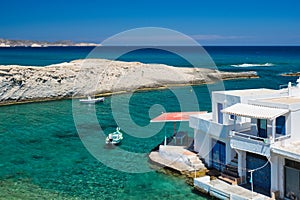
{"points": [[218, 155]]}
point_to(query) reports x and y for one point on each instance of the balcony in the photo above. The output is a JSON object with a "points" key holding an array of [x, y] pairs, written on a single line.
{"points": [[205, 124], [248, 141], [265, 121]]}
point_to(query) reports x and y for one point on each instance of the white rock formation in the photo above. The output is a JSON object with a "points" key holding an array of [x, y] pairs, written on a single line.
{"points": [[97, 76]]}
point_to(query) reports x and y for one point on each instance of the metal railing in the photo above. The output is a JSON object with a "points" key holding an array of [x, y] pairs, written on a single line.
{"points": [[250, 137], [286, 85], [280, 138], [253, 137]]}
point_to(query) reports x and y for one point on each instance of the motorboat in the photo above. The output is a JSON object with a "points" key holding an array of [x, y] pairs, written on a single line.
{"points": [[92, 100], [115, 137]]}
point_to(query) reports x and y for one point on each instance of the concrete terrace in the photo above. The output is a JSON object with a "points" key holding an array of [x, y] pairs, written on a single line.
{"points": [[249, 92], [223, 190], [178, 158]]}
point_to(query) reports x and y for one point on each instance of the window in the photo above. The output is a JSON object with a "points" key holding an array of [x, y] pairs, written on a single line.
{"points": [[293, 164], [262, 128], [231, 117], [292, 179], [280, 125], [220, 114]]}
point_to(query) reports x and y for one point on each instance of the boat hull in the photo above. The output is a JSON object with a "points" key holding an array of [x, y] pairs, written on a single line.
{"points": [[114, 138], [91, 101]]}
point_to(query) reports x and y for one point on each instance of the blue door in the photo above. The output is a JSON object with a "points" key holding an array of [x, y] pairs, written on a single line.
{"points": [[220, 114], [261, 178], [218, 155], [292, 179]]}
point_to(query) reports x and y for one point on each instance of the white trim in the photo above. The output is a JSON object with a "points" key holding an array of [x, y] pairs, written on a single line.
{"points": [[254, 111], [288, 154]]}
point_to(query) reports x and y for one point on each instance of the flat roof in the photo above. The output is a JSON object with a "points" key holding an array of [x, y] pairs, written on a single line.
{"points": [[206, 116], [291, 150], [175, 116], [253, 111], [283, 100], [249, 92]]}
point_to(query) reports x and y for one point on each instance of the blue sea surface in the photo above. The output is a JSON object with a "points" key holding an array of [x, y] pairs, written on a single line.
{"points": [[41, 145]]}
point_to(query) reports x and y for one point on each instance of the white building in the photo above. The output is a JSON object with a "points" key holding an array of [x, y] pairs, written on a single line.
{"points": [[4, 45], [256, 130], [36, 45]]}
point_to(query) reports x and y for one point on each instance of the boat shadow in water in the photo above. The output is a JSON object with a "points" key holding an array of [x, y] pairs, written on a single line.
{"points": [[109, 146]]}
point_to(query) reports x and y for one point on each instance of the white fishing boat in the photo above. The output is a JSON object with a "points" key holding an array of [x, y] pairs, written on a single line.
{"points": [[115, 137], [92, 100]]}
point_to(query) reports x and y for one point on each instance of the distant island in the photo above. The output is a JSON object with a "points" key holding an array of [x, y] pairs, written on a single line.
{"points": [[98, 77], [31, 43]]}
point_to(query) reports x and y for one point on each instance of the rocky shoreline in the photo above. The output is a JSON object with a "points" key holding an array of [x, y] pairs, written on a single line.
{"points": [[29, 43], [98, 77], [291, 74]]}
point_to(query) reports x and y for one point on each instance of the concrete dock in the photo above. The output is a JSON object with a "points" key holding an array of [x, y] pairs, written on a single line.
{"points": [[222, 190], [187, 163], [178, 159]]}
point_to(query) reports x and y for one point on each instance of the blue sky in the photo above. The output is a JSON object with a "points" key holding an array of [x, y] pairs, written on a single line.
{"points": [[230, 22]]}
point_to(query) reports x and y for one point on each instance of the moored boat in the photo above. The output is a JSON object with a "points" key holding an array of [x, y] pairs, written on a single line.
{"points": [[92, 100], [115, 137]]}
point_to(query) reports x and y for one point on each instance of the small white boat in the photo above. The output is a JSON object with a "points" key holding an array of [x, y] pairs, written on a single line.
{"points": [[115, 137], [92, 100]]}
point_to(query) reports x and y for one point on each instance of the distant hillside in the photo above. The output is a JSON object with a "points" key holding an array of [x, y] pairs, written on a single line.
{"points": [[31, 43]]}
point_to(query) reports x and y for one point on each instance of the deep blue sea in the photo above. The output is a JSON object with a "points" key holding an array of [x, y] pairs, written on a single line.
{"points": [[42, 156]]}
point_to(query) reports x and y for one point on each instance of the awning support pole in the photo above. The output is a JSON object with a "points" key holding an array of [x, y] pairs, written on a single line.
{"points": [[251, 178], [273, 130], [234, 123], [174, 128]]}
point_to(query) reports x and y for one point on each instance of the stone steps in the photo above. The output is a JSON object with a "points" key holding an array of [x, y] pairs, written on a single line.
{"points": [[195, 162], [230, 173]]}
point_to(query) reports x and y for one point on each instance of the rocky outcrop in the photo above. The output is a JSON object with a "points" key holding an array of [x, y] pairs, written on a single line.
{"points": [[291, 74], [97, 76]]}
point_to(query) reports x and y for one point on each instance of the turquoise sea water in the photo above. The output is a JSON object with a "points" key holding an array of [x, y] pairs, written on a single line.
{"points": [[40, 145]]}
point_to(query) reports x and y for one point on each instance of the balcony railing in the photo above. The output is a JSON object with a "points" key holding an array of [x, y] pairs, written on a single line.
{"points": [[282, 137], [247, 135], [205, 124], [245, 140], [250, 143]]}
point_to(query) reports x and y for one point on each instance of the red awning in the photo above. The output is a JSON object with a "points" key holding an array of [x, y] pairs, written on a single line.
{"points": [[175, 116]]}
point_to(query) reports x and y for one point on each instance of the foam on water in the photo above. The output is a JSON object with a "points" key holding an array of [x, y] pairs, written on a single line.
{"points": [[253, 65]]}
